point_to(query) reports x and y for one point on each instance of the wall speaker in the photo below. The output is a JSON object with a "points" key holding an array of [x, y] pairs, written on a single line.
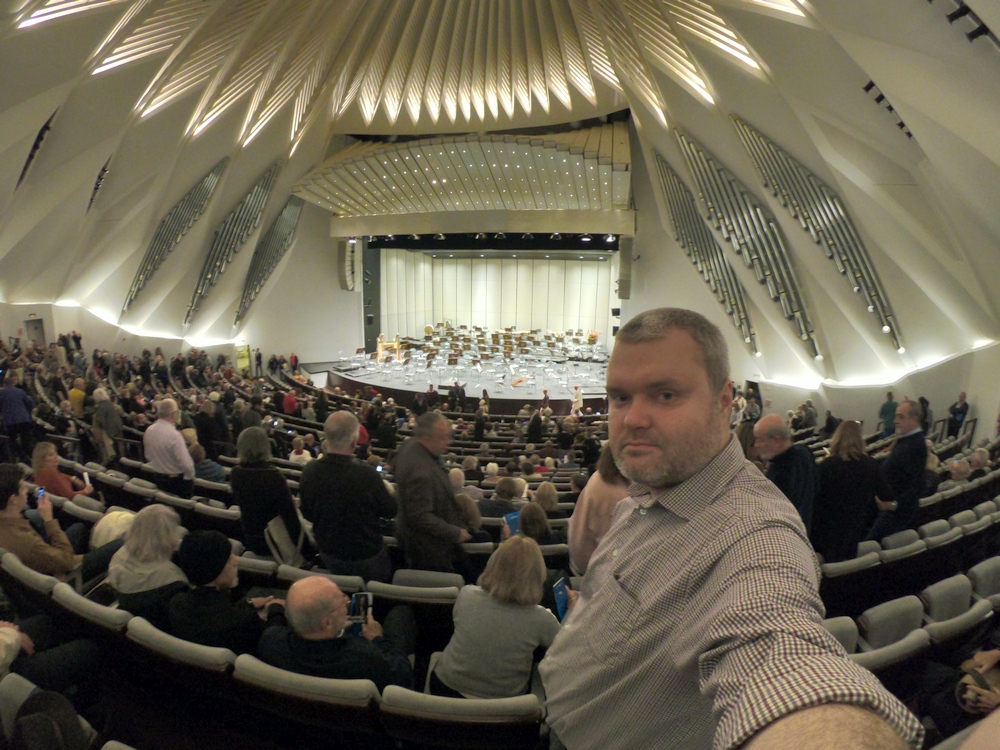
{"points": [[616, 312]]}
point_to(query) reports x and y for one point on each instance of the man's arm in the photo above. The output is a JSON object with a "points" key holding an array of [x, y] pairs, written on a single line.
{"points": [[828, 727], [183, 457]]}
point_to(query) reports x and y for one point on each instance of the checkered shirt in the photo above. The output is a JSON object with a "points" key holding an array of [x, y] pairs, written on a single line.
{"points": [[699, 623]]}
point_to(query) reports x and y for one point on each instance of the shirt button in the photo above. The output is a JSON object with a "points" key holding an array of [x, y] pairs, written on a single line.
{"points": [[614, 553], [642, 511]]}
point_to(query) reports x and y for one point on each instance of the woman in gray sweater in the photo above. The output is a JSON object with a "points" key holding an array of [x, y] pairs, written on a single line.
{"points": [[498, 626]]}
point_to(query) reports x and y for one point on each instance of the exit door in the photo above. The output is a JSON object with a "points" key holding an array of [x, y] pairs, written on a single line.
{"points": [[34, 330]]}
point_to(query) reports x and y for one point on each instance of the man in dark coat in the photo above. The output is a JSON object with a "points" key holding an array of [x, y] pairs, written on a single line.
{"points": [[429, 521], [792, 466], [903, 469]]}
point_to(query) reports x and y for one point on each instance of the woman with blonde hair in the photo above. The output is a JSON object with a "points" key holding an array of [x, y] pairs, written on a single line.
{"points": [[850, 485], [45, 469], [142, 572], [547, 497], [533, 523], [498, 625], [471, 518]]}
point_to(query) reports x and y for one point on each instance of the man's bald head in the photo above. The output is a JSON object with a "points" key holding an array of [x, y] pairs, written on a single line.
{"points": [[457, 477], [341, 432], [771, 436], [316, 608]]}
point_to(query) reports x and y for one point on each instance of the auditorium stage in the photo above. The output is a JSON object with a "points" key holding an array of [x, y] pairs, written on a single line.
{"points": [[511, 382]]}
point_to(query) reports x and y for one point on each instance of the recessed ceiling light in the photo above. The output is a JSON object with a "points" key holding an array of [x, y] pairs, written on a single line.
{"points": [[585, 237], [439, 236], [556, 236], [352, 241]]}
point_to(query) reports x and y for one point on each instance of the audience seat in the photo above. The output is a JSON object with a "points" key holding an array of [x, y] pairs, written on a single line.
{"points": [[556, 556], [845, 630], [985, 579], [849, 587], [337, 707], [869, 545], [889, 622], [226, 520], [432, 608], [255, 571], [900, 539], [28, 590], [934, 528], [184, 506], [987, 508], [498, 724], [88, 619], [426, 578], [954, 626], [963, 517], [189, 666], [214, 490]]}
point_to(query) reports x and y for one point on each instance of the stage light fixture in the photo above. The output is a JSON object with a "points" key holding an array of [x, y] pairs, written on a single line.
{"points": [[390, 236], [439, 236], [901, 350], [609, 238], [480, 236], [584, 237], [414, 236], [352, 240], [758, 354], [886, 329], [555, 236], [501, 236], [527, 236]]}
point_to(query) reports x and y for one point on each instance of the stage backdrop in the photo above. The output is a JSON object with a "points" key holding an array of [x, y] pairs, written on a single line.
{"points": [[557, 295]]}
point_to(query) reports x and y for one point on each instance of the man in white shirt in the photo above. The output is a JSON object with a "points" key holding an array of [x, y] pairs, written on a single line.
{"points": [[166, 451]]}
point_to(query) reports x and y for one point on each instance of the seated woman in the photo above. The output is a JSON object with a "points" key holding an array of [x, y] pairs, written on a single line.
{"points": [[547, 497], [498, 626], [472, 519], [960, 470], [299, 454], [142, 572], [260, 490], [533, 523], [45, 467]]}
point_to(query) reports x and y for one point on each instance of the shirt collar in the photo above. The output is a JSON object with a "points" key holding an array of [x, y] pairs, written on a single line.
{"points": [[694, 495], [911, 432]]}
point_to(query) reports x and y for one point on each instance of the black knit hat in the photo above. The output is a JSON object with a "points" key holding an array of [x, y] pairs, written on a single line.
{"points": [[203, 556]]}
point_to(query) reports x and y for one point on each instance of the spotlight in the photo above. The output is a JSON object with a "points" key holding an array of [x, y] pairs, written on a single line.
{"points": [[584, 237], [439, 236], [886, 329], [818, 357], [758, 354], [371, 237], [901, 350], [480, 236], [501, 236], [609, 238], [527, 236], [352, 241], [555, 236], [414, 236], [390, 236]]}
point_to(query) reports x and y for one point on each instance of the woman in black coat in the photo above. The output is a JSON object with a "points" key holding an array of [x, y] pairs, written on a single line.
{"points": [[849, 482], [262, 493]]}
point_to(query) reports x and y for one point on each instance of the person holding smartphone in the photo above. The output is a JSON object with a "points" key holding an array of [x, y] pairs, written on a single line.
{"points": [[498, 625]]}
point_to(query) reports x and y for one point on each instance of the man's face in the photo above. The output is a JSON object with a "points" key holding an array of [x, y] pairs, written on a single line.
{"points": [[905, 422], [766, 447], [961, 396], [19, 501], [439, 439], [666, 420], [230, 576]]}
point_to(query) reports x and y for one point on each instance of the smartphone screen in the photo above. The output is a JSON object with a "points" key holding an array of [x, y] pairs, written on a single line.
{"points": [[513, 521], [561, 597], [361, 604], [86, 478]]}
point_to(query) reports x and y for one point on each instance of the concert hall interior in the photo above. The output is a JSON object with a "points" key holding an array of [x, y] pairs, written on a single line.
{"points": [[816, 176]]}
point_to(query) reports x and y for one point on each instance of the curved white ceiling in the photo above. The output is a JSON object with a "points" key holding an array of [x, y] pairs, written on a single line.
{"points": [[156, 92]]}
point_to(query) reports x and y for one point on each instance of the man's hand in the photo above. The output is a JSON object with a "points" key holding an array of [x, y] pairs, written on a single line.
{"points": [[464, 536], [571, 599], [45, 508], [504, 532], [87, 490], [883, 505], [371, 629], [986, 660], [983, 701], [27, 645], [260, 602]]}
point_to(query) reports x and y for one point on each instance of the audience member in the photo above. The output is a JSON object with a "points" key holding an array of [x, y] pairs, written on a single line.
{"points": [[791, 466], [429, 520], [45, 469], [592, 515], [106, 426], [15, 413], [576, 484], [472, 519], [887, 415], [165, 450], [299, 454], [498, 626], [318, 643], [457, 478], [712, 570], [960, 470], [849, 482], [548, 499], [142, 572], [208, 429], [208, 614], [904, 470], [503, 501], [204, 467], [533, 523], [979, 462], [346, 500], [53, 554], [261, 491], [956, 415]]}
